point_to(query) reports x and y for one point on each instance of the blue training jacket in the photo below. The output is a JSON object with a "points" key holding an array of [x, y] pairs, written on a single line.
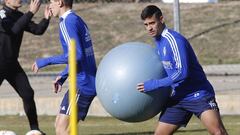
{"points": [[184, 73], [73, 27]]}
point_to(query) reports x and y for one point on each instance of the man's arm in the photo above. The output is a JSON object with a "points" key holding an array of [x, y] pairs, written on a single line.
{"points": [[178, 72], [24, 20], [63, 75], [39, 29], [70, 31], [58, 59], [60, 79], [42, 62]]}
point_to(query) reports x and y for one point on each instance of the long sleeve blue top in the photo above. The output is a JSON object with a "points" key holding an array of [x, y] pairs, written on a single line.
{"points": [[184, 73], [71, 26]]}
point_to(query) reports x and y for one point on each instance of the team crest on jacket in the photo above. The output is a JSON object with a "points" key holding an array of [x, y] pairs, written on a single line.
{"points": [[167, 64], [2, 14]]}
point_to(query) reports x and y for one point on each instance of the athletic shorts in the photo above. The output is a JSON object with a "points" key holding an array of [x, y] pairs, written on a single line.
{"points": [[83, 103], [180, 112]]}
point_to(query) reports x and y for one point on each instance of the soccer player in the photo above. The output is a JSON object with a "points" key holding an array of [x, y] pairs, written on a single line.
{"points": [[13, 23], [72, 27], [192, 92]]}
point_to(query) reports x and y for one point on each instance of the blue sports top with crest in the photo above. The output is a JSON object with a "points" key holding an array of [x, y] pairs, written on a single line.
{"points": [[184, 73], [73, 27]]}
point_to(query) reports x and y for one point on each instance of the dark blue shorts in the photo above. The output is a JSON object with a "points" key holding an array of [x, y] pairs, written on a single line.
{"points": [[180, 112], [83, 103]]}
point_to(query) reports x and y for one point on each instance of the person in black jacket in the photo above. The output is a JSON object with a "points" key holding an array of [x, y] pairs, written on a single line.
{"points": [[13, 23]]}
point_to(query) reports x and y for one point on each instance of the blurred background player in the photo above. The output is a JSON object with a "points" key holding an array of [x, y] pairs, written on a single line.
{"points": [[13, 23], [72, 27], [192, 92]]}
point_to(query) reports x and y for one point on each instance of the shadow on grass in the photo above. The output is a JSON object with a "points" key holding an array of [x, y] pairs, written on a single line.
{"points": [[151, 133]]}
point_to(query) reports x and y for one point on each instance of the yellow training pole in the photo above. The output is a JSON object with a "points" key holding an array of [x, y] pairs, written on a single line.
{"points": [[72, 88]]}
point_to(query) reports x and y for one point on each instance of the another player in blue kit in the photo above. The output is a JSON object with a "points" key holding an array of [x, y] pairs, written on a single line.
{"points": [[71, 26], [192, 92]]}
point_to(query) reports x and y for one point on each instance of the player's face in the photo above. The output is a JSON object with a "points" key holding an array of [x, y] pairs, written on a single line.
{"points": [[55, 7], [153, 25], [14, 4]]}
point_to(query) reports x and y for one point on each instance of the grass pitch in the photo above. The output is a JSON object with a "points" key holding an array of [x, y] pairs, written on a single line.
{"points": [[112, 126]]}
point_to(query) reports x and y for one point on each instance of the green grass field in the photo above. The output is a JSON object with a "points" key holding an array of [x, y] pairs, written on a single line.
{"points": [[111, 126]]}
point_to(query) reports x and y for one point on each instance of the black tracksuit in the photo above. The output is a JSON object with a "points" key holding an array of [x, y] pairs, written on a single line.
{"points": [[13, 23]]}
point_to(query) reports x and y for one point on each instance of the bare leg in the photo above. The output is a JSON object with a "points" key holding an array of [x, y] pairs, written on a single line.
{"points": [[62, 124], [212, 121], [165, 129]]}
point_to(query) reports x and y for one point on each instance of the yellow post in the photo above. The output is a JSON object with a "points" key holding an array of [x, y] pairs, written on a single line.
{"points": [[72, 88]]}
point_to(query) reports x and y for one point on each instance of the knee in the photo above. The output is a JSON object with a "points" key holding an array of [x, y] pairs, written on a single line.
{"points": [[157, 133], [28, 100], [58, 128], [61, 128], [28, 96], [162, 132]]}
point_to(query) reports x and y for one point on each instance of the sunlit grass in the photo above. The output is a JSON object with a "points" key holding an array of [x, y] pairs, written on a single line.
{"points": [[112, 126]]}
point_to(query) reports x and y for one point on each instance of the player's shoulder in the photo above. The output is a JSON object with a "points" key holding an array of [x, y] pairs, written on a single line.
{"points": [[73, 18], [172, 36]]}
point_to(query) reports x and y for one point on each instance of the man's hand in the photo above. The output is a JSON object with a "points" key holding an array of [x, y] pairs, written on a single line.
{"points": [[56, 86], [140, 87], [35, 67], [47, 12], [34, 6]]}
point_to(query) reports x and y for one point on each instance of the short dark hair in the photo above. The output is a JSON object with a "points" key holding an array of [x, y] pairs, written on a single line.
{"points": [[68, 3], [151, 10]]}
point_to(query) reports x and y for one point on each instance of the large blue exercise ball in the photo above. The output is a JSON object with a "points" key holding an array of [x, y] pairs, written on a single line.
{"points": [[118, 74]]}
